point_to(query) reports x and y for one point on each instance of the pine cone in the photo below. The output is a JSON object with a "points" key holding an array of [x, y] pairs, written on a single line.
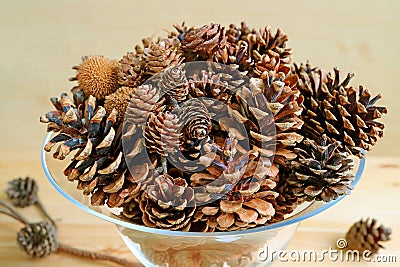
{"points": [[98, 164], [119, 101], [266, 42], [201, 43], [209, 85], [286, 202], [174, 82], [168, 204], [161, 55], [196, 123], [234, 192], [97, 76], [366, 235], [275, 97], [236, 56], [38, 239], [162, 133], [143, 101], [131, 69], [23, 192], [341, 112], [321, 172]]}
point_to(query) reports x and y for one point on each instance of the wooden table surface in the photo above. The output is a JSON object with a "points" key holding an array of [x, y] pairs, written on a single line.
{"points": [[41, 40]]}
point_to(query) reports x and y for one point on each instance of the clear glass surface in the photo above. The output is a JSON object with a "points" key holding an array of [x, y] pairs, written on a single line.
{"points": [[158, 247]]}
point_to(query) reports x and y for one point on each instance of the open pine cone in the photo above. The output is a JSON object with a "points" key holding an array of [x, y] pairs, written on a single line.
{"points": [[320, 171], [366, 235], [342, 112]]}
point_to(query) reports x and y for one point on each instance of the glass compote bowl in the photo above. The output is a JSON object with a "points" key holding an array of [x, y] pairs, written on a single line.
{"points": [[157, 247]]}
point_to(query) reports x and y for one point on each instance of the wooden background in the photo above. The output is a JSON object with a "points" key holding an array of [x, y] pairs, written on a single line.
{"points": [[41, 40]]}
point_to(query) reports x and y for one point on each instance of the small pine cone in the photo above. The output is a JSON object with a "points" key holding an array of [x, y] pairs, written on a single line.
{"points": [[235, 56], [321, 172], [23, 192], [130, 69], [119, 101], [208, 84], [38, 239], [366, 235], [97, 76], [161, 55], [267, 42], [162, 133], [196, 123], [341, 112], [168, 204], [174, 82], [142, 102], [202, 42], [180, 31], [237, 34]]}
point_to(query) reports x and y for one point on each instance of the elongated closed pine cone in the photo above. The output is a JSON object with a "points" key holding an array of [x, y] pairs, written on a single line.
{"points": [[161, 55], [366, 235], [174, 82], [162, 133], [341, 112], [196, 125], [143, 101]]}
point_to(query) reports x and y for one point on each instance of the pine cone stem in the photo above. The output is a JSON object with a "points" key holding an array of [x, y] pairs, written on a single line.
{"points": [[62, 248], [42, 209], [12, 212]]}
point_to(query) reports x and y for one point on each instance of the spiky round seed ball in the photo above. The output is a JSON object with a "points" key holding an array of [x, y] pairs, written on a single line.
{"points": [[119, 100], [97, 76]]}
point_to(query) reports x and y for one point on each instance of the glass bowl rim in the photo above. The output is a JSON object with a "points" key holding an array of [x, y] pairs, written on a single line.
{"points": [[151, 230]]}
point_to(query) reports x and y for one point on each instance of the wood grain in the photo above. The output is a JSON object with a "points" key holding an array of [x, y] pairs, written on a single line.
{"points": [[41, 40]]}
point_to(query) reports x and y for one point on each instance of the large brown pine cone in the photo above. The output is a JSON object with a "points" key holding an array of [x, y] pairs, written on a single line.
{"points": [[340, 111], [131, 69], [366, 235], [168, 204], [320, 171], [201, 43], [98, 164], [162, 133]]}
